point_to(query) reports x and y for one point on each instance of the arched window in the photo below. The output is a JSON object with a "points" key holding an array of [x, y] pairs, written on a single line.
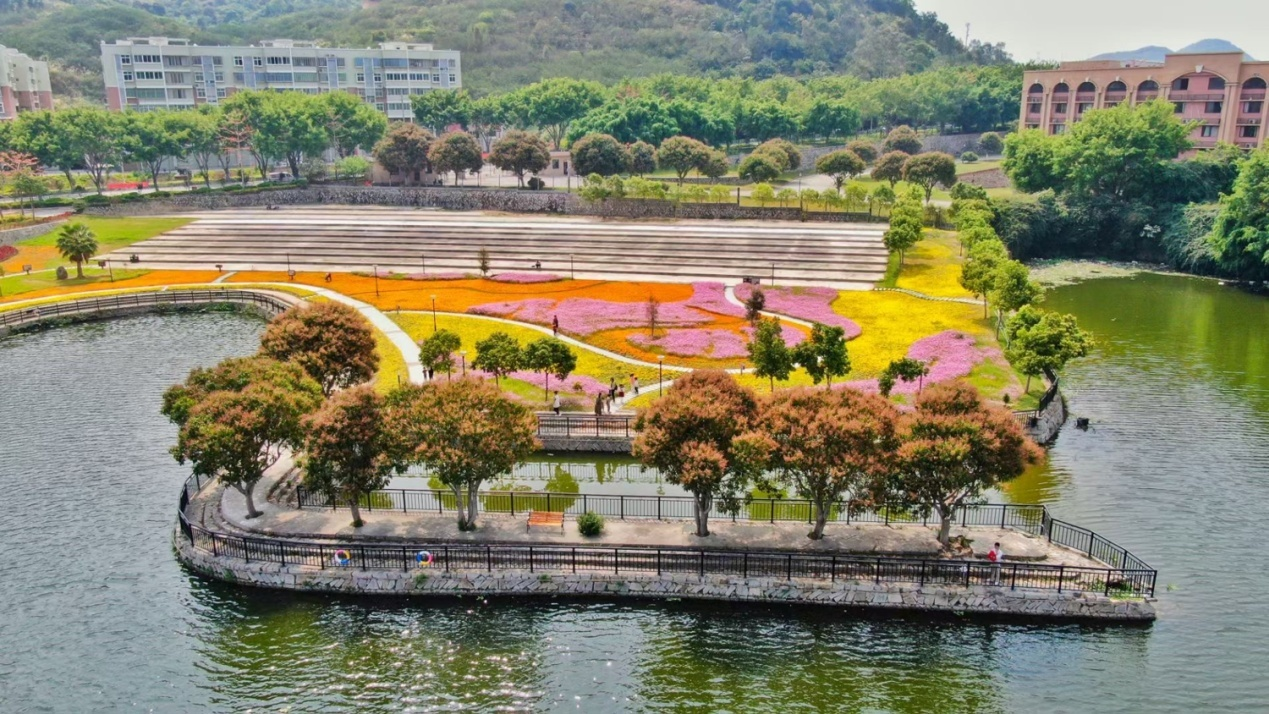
{"points": [[1116, 86], [1061, 88], [1148, 86], [1254, 83], [1087, 87], [1036, 88]]}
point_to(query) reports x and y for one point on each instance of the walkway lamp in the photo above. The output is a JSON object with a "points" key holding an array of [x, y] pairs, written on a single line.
{"points": [[433, 314], [773, 275], [376, 281], [463, 354], [423, 258], [660, 375]]}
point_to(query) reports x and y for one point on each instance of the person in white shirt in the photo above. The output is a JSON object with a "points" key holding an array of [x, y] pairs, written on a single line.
{"points": [[556, 405]]}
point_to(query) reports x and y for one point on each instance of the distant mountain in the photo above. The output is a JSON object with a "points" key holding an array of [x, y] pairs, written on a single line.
{"points": [[1155, 53]]}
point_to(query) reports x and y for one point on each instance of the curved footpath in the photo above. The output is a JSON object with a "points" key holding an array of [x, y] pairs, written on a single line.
{"points": [[856, 566]]}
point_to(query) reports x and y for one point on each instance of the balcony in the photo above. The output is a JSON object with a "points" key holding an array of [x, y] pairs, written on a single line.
{"points": [[1116, 97], [1205, 143], [1085, 96], [1249, 121], [1196, 97], [1062, 97], [1252, 95]]}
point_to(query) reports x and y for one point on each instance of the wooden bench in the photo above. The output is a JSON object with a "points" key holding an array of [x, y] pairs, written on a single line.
{"points": [[545, 518]]}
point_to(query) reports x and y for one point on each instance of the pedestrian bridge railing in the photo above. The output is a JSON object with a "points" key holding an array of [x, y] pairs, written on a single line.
{"points": [[93, 306]]}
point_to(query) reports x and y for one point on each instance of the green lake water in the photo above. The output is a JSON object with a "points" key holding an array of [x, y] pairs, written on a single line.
{"points": [[98, 616]]}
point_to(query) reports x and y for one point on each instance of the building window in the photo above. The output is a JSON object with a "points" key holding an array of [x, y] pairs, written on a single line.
{"points": [[198, 76], [128, 76], [220, 93], [237, 61], [1178, 107], [125, 59], [257, 61], [279, 60], [220, 77], [200, 93], [1059, 128], [149, 75], [151, 59], [217, 61], [378, 79], [1111, 105], [398, 91], [1181, 85], [1216, 83], [453, 78], [1083, 107], [555, 163], [174, 61], [1253, 107], [1214, 107], [1033, 126], [1034, 108], [1248, 132], [361, 77], [397, 76], [1208, 132], [278, 77], [1059, 108], [436, 79]]}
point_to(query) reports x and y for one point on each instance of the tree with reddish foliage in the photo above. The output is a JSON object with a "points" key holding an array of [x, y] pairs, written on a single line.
{"points": [[465, 433], [237, 419], [404, 150], [348, 450], [333, 342], [520, 152], [828, 444], [702, 436], [953, 447]]}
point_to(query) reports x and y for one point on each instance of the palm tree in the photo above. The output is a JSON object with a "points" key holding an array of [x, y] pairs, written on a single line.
{"points": [[77, 242]]}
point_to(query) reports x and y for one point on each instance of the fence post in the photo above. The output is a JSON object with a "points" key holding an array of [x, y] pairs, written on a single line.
{"points": [[969, 566], [1061, 576], [616, 561], [877, 574], [622, 502], [922, 580], [574, 559], [1107, 592], [530, 559], [658, 561], [405, 560], [447, 558], [489, 558], [833, 569], [788, 567], [658, 518], [548, 501], [513, 503], [745, 570], [568, 427], [1004, 511], [586, 505], [702, 565]]}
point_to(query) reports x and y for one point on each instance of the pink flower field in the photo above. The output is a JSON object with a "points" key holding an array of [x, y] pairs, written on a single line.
{"points": [[813, 304], [717, 344], [713, 298], [436, 276], [949, 354], [525, 278], [584, 316]]}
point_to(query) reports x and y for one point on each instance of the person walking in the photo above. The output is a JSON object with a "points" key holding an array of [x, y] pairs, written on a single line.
{"points": [[612, 391], [995, 556], [634, 384], [556, 405], [555, 325], [599, 404]]}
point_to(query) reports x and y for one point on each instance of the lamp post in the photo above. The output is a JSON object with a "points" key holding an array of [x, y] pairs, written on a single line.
{"points": [[463, 354], [571, 274], [423, 258], [660, 375], [773, 275], [376, 268], [433, 314]]}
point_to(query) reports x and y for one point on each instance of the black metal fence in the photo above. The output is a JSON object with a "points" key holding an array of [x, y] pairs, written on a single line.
{"points": [[87, 307], [1053, 392], [605, 426]]}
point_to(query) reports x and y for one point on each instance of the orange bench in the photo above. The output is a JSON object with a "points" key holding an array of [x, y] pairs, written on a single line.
{"points": [[545, 518]]}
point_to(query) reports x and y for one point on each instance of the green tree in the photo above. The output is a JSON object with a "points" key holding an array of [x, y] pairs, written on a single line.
{"points": [[890, 167], [1240, 236], [882, 197], [828, 118], [991, 143], [681, 154], [332, 342], [701, 436], [828, 444], [550, 356], [50, 138], [759, 168], [600, 154], [76, 242], [907, 220], [350, 123], [404, 150], [643, 158], [439, 109], [841, 165], [714, 165], [498, 354], [456, 151], [792, 158], [436, 352], [97, 136], [237, 420], [1012, 288], [906, 370], [199, 132], [554, 104], [865, 150], [465, 433], [954, 447], [520, 152], [157, 137], [353, 167], [929, 170], [824, 354], [1031, 161], [280, 125], [902, 138], [763, 193], [978, 272], [770, 356], [763, 120], [1123, 152], [348, 448], [1040, 340]]}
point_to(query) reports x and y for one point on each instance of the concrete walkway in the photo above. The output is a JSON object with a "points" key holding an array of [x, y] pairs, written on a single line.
{"points": [[858, 539]]}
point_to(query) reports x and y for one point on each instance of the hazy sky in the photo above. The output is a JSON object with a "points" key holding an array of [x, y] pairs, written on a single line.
{"points": [[1078, 29]]}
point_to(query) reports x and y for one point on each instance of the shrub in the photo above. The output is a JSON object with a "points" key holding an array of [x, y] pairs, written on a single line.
{"points": [[590, 524], [97, 199], [969, 157], [536, 184]]}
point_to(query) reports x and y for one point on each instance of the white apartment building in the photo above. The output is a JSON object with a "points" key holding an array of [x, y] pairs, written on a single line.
{"points": [[147, 73], [24, 84]]}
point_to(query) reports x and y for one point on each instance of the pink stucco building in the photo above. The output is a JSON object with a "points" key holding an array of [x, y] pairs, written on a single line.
{"points": [[24, 84], [1221, 91]]}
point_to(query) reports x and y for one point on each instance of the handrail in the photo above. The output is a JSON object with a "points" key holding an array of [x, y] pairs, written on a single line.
{"points": [[37, 313], [611, 426]]}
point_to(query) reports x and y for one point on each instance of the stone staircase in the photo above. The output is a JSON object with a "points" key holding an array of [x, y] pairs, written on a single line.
{"points": [[342, 239]]}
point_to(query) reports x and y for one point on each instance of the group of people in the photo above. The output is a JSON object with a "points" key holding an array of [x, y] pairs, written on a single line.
{"points": [[604, 401]]}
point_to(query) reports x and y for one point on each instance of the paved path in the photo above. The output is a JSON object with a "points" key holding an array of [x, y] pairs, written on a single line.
{"points": [[934, 298], [871, 539]]}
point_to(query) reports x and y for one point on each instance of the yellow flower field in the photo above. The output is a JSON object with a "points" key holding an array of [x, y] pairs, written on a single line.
{"points": [[933, 266]]}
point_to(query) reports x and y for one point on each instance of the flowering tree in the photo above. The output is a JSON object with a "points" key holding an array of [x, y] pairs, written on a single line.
{"points": [[333, 342], [954, 447], [828, 444], [465, 433], [348, 448], [702, 437], [237, 419]]}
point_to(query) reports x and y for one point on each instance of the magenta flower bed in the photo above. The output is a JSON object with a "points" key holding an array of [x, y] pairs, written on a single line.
{"points": [[436, 276], [525, 278], [583, 316], [949, 354], [717, 344], [813, 304], [590, 385], [713, 297], [792, 335]]}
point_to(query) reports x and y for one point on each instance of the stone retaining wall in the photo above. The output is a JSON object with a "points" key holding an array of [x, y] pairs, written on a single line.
{"points": [[14, 235], [1048, 421], [590, 445], [976, 600], [467, 199]]}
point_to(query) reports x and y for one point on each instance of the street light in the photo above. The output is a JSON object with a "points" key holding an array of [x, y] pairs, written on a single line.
{"points": [[660, 375], [463, 354], [773, 275], [433, 314], [376, 281], [423, 257]]}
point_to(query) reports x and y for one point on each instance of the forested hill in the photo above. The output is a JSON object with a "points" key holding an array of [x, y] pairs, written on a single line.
{"points": [[508, 43]]}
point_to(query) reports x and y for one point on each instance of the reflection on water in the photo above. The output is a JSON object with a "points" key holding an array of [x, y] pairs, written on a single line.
{"points": [[99, 617]]}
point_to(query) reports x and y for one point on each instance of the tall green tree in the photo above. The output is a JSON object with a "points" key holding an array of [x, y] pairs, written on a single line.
{"points": [[1240, 236], [840, 165], [643, 158], [76, 242], [498, 354], [332, 342], [350, 123], [550, 356], [907, 221], [436, 352], [759, 168], [440, 109], [824, 354], [1012, 288], [902, 138], [681, 155], [830, 444], [929, 170], [50, 138], [157, 137], [905, 369], [520, 152], [456, 151], [1040, 340], [890, 167], [554, 104], [1031, 161], [978, 272], [702, 436], [828, 119], [770, 356], [465, 433], [349, 448], [238, 419], [97, 136], [599, 154]]}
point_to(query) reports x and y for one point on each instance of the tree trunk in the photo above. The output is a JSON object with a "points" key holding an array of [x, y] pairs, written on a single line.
{"points": [[1028, 387], [546, 385], [703, 506], [473, 505], [79, 272], [460, 507], [251, 504], [945, 525], [356, 511], [821, 518]]}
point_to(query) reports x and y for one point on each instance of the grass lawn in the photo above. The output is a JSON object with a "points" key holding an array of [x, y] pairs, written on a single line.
{"points": [[963, 168]]}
